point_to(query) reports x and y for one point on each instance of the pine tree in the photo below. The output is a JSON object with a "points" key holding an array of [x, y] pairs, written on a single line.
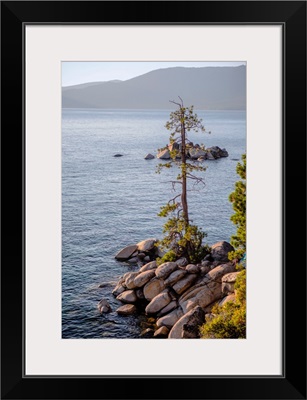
{"points": [[183, 239], [238, 200]]}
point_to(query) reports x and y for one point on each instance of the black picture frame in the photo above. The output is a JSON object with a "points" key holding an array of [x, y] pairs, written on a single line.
{"points": [[292, 16]]}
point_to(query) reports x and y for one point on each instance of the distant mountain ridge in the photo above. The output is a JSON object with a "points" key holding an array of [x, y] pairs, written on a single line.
{"points": [[211, 88]]}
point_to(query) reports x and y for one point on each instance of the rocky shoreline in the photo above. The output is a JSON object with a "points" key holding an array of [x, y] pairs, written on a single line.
{"points": [[176, 297]]}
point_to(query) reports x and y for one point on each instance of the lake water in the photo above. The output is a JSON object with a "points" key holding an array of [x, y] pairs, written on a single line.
{"points": [[109, 203]]}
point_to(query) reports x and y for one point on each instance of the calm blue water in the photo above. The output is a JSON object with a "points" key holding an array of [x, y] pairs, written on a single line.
{"points": [[109, 202]]}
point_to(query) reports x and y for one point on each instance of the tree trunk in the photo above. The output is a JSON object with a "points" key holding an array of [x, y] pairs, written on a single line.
{"points": [[184, 200]]}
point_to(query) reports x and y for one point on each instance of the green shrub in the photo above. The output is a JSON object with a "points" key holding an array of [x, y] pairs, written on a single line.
{"points": [[169, 256], [183, 241], [228, 321]]}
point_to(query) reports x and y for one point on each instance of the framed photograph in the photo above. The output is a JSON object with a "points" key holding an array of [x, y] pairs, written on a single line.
{"points": [[157, 192]]}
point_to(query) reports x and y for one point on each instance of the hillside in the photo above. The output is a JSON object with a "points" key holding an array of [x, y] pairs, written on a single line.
{"points": [[212, 88]]}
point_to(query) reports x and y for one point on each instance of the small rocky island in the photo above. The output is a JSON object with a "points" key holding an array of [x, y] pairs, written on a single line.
{"points": [[194, 152], [176, 296]]}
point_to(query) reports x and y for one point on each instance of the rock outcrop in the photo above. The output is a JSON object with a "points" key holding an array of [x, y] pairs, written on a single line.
{"points": [[176, 295], [230, 297], [158, 302], [220, 250], [228, 282], [170, 319], [149, 266], [129, 281], [143, 278], [194, 152], [164, 154], [126, 253], [153, 288], [146, 245], [127, 309], [188, 325], [129, 296], [103, 306], [161, 332], [165, 269], [146, 250]]}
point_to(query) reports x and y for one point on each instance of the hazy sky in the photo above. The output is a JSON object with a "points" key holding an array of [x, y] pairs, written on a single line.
{"points": [[74, 73]]}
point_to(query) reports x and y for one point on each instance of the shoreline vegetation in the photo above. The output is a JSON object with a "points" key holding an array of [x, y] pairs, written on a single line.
{"points": [[186, 288]]}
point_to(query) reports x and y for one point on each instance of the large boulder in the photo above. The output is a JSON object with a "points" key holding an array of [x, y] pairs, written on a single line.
{"points": [[165, 269], [188, 325], [203, 296], [207, 290], [126, 253], [195, 153], [227, 299], [153, 288], [175, 277], [161, 332], [170, 319], [228, 282], [158, 252], [103, 306], [128, 296], [119, 288], [217, 152], [170, 307], [127, 309], [192, 268], [158, 302], [182, 262], [209, 155], [173, 146], [213, 276], [149, 157], [184, 283], [149, 266], [214, 150], [129, 281], [146, 245], [133, 260], [218, 272], [147, 333], [141, 256], [164, 154], [191, 293], [223, 153], [143, 278], [220, 250]]}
